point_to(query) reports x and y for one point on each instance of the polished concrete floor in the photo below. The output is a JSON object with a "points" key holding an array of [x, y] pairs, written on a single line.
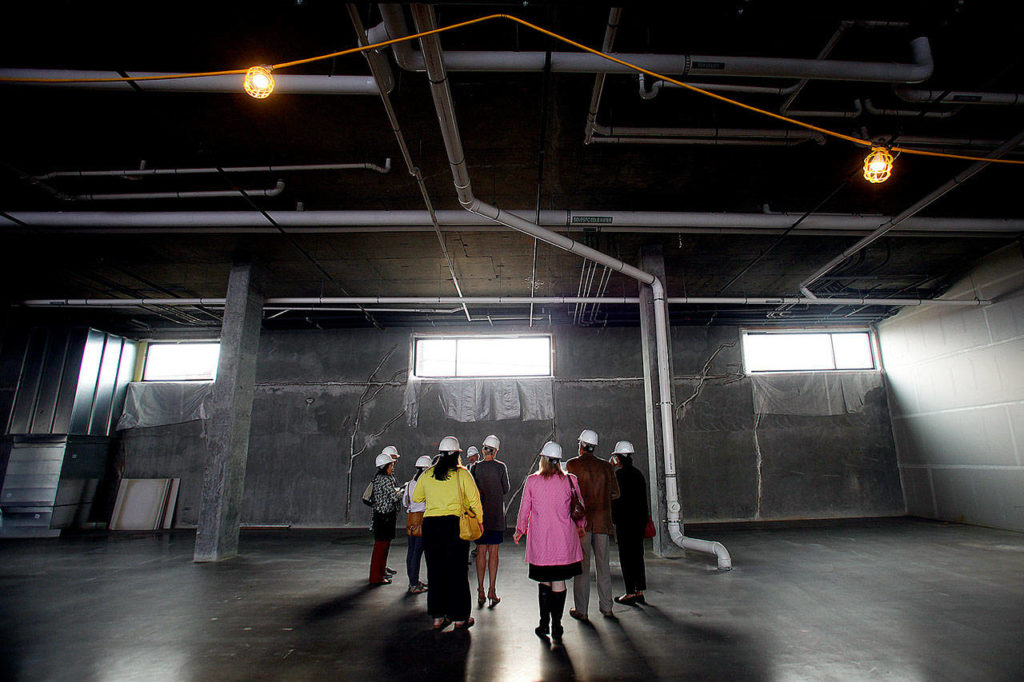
{"points": [[897, 599]]}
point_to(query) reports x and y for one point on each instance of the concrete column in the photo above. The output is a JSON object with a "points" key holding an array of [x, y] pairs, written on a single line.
{"points": [[228, 434], [653, 261]]}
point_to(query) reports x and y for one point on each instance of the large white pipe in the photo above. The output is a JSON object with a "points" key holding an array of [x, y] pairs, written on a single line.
{"points": [[496, 300], [683, 64], [446, 116], [572, 219], [284, 84]]}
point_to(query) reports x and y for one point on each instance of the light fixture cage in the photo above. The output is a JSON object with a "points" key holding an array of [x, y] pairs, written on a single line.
{"points": [[259, 81], [878, 165]]}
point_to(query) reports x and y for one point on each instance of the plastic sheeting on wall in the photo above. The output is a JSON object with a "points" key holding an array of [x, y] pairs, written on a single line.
{"points": [[165, 402], [472, 400], [814, 393]]}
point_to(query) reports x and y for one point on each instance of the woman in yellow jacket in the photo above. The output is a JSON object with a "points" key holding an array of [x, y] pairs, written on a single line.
{"points": [[445, 488]]}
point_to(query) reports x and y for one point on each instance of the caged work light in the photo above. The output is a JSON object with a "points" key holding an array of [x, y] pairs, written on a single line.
{"points": [[259, 81], [878, 165]]}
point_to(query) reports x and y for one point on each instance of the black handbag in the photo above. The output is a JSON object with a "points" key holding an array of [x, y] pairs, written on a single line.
{"points": [[576, 509]]}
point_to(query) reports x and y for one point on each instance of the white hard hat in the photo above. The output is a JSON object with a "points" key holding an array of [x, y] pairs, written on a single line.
{"points": [[623, 447], [391, 451], [383, 460], [492, 442], [551, 450], [423, 462], [588, 437], [472, 451], [449, 444]]}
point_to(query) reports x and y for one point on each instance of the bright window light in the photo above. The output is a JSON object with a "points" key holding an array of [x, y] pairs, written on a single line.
{"points": [[476, 356], [181, 362], [807, 352]]}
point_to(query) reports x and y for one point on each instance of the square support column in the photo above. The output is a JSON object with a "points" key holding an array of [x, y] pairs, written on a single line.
{"points": [[652, 260], [228, 434]]}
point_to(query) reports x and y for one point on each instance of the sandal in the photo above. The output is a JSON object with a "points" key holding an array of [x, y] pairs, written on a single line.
{"points": [[441, 623], [494, 599], [464, 624], [418, 588], [480, 598]]}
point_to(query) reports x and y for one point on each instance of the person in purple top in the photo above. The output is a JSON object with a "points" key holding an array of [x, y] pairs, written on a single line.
{"points": [[552, 538]]}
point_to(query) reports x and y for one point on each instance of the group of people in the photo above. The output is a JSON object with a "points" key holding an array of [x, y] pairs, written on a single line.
{"points": [[568, 514]]}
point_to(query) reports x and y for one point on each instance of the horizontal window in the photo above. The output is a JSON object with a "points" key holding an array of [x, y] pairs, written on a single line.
{"points": [[807, 351], [181, 362], [482, 356]]}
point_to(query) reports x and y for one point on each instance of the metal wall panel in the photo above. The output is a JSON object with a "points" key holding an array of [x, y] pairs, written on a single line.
{"points": [[125, 374], [81, 413], [72, 367], [50, 382], [28, 382], [100, 418]]}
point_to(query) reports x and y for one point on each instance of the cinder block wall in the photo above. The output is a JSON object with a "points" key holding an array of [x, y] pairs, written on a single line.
{"points": [[956, 382], [732, 465]]}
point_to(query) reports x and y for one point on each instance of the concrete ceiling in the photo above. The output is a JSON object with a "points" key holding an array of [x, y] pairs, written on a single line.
{"points": [[503, 119]]}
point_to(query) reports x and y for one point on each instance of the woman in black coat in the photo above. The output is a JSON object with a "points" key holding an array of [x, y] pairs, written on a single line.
{"points": [[629, 514], [385, 504]]}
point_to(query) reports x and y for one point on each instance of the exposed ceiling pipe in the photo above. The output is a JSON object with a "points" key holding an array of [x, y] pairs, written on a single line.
{"points": [[133, 173], [279, 302], [221, 222], [656, 87], [857, 110], [907, 113], [595, 96], [825, 51], [211, 194], [697, 141], [716, 66], [918, 206], [381, 71], [923, 141], [284, 84], [710, 135], [1012, 99]]}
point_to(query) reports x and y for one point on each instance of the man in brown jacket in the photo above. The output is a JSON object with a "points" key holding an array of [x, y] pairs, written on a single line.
{"points": [[599, 488]]}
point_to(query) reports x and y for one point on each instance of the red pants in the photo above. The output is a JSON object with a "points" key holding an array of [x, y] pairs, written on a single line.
{"points": [[379, 561]]}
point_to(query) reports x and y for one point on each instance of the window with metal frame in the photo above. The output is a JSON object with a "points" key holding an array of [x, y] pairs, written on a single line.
{"points": [[436, 357], [181, 362], [803, 351]]}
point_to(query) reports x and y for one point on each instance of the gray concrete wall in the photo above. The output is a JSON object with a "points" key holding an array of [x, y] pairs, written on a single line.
{"points": [[956, 377], [310, 385]]}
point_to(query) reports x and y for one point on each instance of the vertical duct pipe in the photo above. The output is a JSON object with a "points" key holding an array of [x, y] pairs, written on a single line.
{"points": [[441, 93]]}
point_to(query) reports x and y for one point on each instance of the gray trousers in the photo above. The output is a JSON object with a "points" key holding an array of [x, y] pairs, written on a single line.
{"points": [[596, 545]]}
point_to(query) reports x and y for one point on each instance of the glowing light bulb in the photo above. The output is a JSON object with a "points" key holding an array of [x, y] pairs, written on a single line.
{"points": [[878, 165], [259, 81]]}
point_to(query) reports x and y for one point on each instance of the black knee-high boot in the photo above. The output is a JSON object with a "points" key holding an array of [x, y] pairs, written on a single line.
{"points": [[556, 600], [544, 601]]}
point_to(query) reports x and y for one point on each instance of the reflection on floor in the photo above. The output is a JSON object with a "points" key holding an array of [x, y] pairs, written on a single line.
{"points": [[887, 599]]}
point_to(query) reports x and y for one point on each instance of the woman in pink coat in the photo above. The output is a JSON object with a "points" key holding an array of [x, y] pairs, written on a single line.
{"points": [[552, 538]]}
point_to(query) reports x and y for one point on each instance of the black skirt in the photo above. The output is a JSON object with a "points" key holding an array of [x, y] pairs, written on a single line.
{"points": [[545, 574]]}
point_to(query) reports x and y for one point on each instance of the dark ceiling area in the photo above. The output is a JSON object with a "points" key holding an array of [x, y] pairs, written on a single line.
{"points": [[740, 204]]}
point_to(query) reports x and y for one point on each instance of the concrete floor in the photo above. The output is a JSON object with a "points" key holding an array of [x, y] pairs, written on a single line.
{"points": [[890, 599]]}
